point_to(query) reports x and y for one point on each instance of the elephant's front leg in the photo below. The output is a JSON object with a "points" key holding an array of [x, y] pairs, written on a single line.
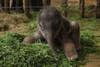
{"points": [[69, 48], [75, 34], [50, 40]]}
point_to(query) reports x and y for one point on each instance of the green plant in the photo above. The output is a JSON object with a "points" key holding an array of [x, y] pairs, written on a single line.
{"points": [[64, 7], [87, 38], [15, 54]]}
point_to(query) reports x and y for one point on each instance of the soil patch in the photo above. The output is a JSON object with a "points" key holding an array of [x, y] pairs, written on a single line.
{"points": [[93, 61]]}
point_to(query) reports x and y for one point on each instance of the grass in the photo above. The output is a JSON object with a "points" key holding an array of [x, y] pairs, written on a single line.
{"points": [[13, 53]]}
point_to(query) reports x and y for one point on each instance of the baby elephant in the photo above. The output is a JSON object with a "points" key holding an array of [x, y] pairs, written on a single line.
{"points": [[57, 31]]}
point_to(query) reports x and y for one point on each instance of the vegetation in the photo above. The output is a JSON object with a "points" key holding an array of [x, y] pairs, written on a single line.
{"points": [[64, 7], [15, 54]]}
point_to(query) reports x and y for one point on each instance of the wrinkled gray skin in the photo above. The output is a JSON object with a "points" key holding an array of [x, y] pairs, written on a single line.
{"points": [[56, 30]]}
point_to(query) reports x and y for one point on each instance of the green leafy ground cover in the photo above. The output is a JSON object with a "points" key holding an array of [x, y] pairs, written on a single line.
{"points": [[15, 54]]}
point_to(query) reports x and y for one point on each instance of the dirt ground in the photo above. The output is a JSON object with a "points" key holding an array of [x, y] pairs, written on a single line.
{"points": [[14, 22], [58, 3], [93, 61]]}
